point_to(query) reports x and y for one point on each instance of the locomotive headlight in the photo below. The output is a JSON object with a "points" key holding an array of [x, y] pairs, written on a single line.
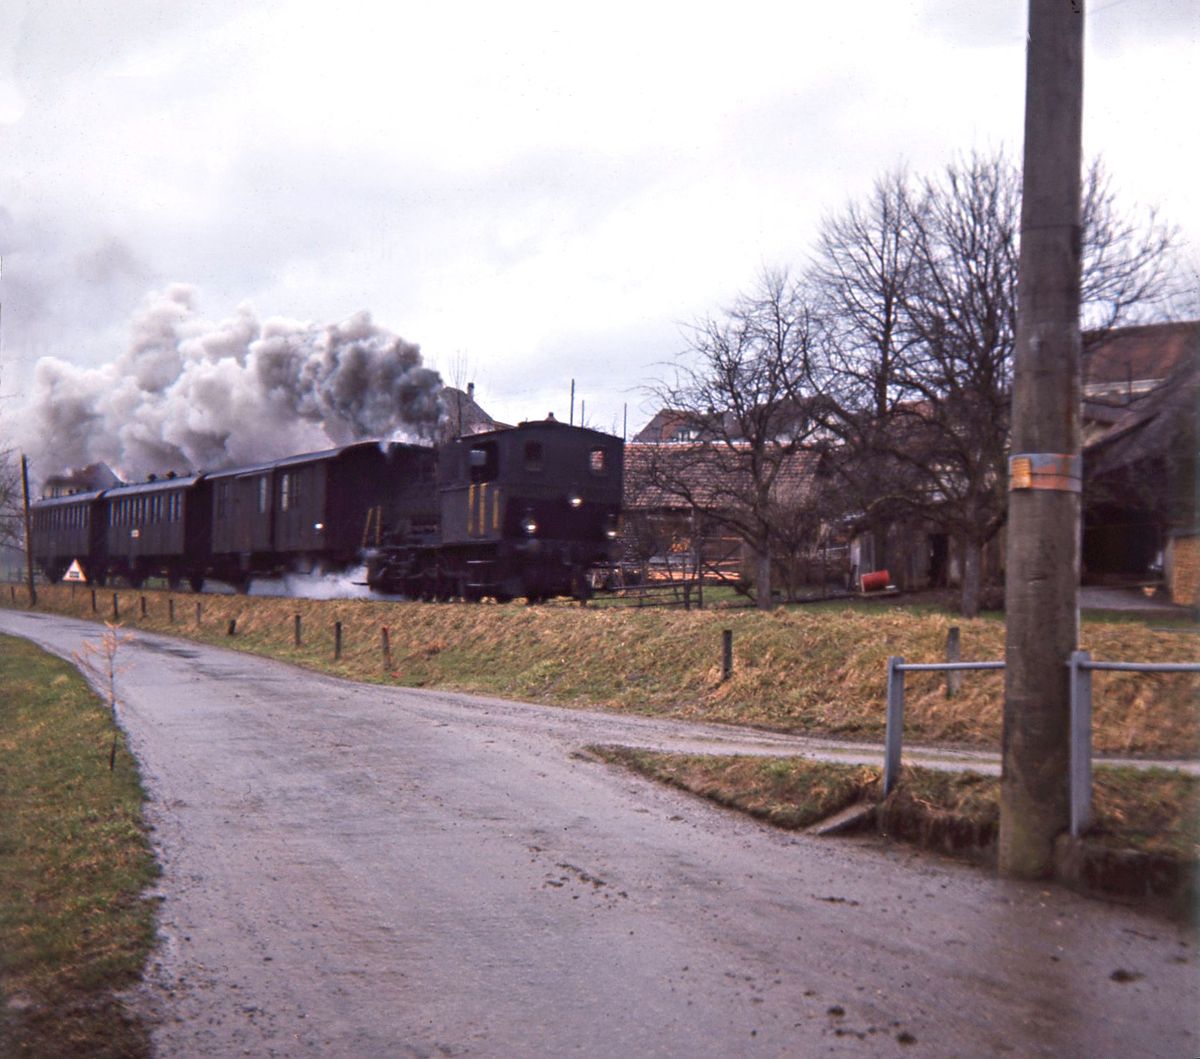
{"points": [[529, 524], [611, 527], [575, 500], [318, 526]]}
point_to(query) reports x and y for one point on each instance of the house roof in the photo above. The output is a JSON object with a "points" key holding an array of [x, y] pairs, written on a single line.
{"points": [[1161, 423], [713, 475], [463, 415], [93, 478], [676, 425], [789, 417], [1129, 356]]}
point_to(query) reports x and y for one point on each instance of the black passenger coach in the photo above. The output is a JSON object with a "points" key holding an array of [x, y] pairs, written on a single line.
{"points": [[519, 511]]}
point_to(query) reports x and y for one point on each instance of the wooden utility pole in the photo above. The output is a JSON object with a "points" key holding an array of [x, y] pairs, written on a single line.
{"points": [[1042, 573], [28, 532]]}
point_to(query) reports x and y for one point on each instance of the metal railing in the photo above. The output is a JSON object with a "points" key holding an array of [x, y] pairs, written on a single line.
{"points": [[895, 707], [1081, 668]]}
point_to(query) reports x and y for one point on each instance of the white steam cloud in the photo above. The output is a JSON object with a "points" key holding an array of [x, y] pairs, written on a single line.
{"points": [[191, 395]]}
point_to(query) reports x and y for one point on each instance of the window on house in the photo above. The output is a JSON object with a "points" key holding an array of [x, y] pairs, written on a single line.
{"points": [[598, 461]]}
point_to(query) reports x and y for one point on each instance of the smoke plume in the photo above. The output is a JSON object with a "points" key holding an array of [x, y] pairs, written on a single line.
{"points": [[187, 394]]}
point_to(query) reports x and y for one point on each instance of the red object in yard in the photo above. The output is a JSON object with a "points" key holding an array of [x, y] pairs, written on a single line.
{"points": [[875, 582]]}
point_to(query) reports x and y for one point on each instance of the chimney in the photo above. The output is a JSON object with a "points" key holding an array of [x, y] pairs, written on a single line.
{"points": [[470, 391]]}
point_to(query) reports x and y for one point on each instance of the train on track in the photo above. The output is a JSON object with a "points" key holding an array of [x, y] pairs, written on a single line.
{"points": [[517, 511]]}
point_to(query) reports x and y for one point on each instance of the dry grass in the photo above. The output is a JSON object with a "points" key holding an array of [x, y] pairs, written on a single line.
{"points": [[1152, 810], [814, 670]]}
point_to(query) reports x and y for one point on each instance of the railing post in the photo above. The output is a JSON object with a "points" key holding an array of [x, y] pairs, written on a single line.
{"points": [[337, 640], [171, 611], [1081, 741], [953, 654], [895, 723], [296, 630], [387, 647], [726, 654], [116, 607]]}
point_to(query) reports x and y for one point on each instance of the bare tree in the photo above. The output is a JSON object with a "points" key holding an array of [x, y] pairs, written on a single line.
{"points": [[12, 523], [864, 270], [737, 394], [918, 292]]}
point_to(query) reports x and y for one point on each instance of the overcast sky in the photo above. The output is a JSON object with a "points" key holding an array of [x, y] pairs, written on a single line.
{"points": [[528, 191]]}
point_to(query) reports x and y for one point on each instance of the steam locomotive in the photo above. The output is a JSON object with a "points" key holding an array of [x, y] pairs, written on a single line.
{"points": [[517, 511]]}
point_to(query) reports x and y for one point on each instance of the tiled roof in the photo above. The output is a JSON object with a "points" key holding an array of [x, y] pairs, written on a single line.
{"points": [[1158, 424], [713, 475], [1131, 355], [463, 415]]}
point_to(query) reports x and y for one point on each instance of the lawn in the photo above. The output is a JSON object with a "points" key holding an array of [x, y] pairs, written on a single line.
{"points": [[74, 862]]}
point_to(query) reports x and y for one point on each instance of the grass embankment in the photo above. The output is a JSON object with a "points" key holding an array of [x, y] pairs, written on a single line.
{"points": [[1154, 811], [819, 670], [74, 861]]}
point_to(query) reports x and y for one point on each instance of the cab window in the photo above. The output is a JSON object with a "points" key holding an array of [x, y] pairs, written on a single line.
{"points": [[483, 460], [534, 456]]}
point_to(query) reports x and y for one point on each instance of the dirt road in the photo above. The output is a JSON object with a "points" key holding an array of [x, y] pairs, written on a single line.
{"points": [[362, 871]]}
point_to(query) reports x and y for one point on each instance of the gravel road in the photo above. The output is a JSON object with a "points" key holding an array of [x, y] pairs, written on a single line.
{"points": [[358, 871]]}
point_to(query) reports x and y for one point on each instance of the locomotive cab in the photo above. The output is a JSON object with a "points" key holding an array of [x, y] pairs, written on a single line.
{"points": [[527, 510]]}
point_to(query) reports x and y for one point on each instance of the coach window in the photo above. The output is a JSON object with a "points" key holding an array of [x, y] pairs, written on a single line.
{"points": [[484, 461], [598, 462], [285, 492], [263, 488], [534, 457], [222, 498]]}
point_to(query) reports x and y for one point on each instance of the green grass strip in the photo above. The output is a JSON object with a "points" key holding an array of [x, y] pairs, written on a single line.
{"points": [[74, 861]]}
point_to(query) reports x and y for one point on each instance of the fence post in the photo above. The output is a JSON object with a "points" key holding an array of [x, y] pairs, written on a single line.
{"points": [[143, 599], [171, 611], [1081, 741], [116, 608], [895, 723], [12, 592], [337, 640], [232, 627], [954, 677], [726, 654], [199, 611], [296, 630], [93, 601], [387, 647]]}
